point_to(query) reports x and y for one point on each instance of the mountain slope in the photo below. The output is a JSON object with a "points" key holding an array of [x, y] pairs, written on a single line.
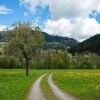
{"points": [[58, 42], [90, 45], [54, 42]]}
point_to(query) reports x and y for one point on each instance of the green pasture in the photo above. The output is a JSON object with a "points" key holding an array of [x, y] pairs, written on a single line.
{"points": [[84, 84], [14, 85]]}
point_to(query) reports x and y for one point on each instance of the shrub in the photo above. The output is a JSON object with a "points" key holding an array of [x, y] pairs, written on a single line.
{"points": [[9, 62]]}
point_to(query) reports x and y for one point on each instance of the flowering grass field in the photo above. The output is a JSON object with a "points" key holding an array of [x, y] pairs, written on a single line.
{"points": [[85, 84], [14, 85]]}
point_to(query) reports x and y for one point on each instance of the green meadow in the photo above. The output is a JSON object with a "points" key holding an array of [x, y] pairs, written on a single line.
{"points": [[14, 85], [84, 84]]}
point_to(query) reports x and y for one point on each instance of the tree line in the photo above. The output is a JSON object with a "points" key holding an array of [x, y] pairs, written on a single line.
{"points": [[49, 59]]}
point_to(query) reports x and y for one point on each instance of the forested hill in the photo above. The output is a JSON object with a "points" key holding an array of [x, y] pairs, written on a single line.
{"points": [[58, 42], [90, 45], [54, 42]]}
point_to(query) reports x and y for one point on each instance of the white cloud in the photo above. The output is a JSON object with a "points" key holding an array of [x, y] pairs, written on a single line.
{"points": [[2, 27], [31, 5], [73, 8], [60, 27], [5, 10], [69, 17], [80, 28], [64, 8]]}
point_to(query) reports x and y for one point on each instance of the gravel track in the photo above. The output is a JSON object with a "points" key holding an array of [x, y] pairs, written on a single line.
{"points": [[36, 92], [58, 92]]}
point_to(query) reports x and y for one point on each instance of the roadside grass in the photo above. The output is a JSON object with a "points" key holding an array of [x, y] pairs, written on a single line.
{"points": [[47, 90], [84, 84], [14, 85]]}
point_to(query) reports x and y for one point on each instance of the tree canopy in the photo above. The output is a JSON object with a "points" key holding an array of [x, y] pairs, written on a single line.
{"points": [[22, 43]]}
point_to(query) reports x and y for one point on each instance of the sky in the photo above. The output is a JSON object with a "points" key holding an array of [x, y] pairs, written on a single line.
{"points": [[79, 19]]}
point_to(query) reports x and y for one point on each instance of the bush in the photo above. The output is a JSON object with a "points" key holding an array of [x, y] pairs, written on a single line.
{"points": [[9, 62], [95, 59], [90, 61]]}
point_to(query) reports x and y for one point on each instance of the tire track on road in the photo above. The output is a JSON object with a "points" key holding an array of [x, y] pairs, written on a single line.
{"points": [[58, 92], [36, 92]]}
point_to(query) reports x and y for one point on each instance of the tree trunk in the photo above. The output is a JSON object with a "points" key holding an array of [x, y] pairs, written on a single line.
{"points": [[27, 68]]}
